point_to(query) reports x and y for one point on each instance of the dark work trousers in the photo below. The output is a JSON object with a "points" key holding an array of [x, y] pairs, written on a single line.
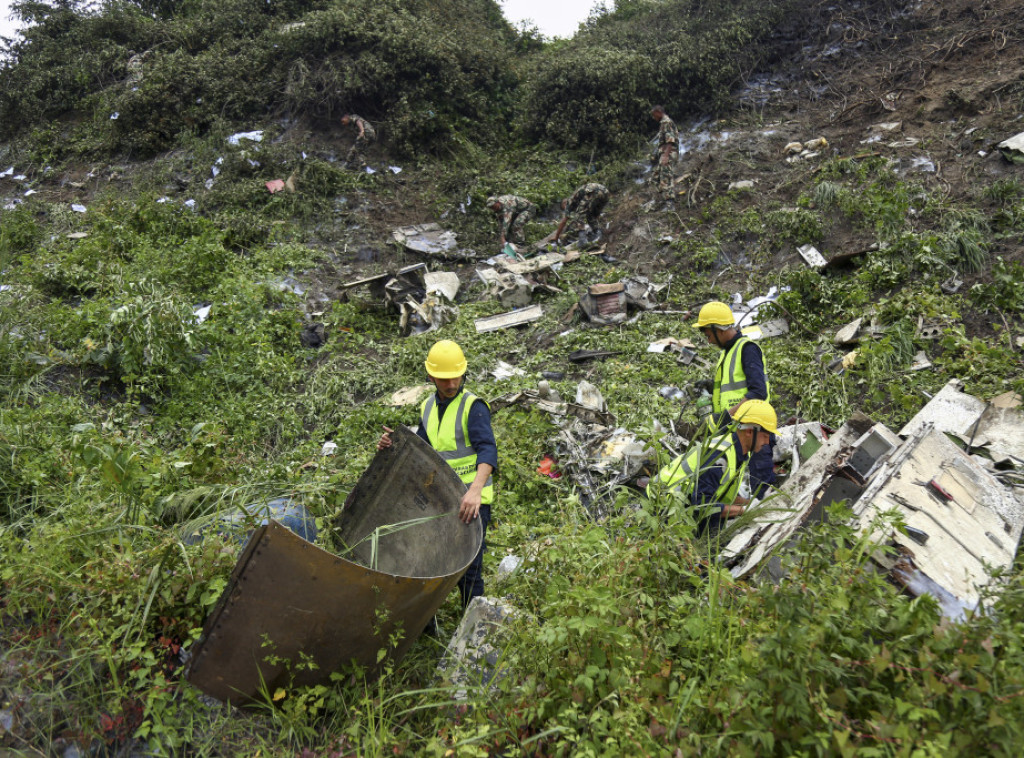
{"points": [[762, 469], [471, 584]]}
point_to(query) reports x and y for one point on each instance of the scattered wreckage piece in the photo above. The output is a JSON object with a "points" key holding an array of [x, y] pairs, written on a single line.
{"points": [[995, 429], [473, 658], [547, 400], [1012, 149], [519, 317], [774, 328], [543, 262], [792, 508], [512, 290], [857, 330], [963, 520], [811, 256], [582, 356], [608, 304], [288, 599], [409, 395], [961, 517], [431, 239]]}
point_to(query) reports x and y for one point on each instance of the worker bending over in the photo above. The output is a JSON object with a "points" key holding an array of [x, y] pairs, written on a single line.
{"points": [[710, 473]]}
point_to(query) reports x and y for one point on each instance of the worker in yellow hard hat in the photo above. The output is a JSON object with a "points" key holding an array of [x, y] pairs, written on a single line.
{"points": [[457, 424], [739, 375], [709, 473]]}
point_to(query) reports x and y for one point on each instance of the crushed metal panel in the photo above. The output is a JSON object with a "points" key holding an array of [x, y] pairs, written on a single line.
{"points": [[1000, 431], [811, 256], [784, 514], [505, 320], [774, 328], [955, 539], [310, 602], [533, 265], [428, 239]]}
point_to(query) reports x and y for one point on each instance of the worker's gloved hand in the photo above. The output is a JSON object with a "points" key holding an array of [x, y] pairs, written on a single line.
{"points": [[703, 385]]}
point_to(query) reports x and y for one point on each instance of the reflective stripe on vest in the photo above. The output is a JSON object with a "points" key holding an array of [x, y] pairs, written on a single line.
{"points": [[449, 436], [679, 474], [731, 380]]}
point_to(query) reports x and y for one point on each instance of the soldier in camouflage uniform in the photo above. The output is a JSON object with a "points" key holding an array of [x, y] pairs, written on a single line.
{"points": [[515, 212], [583, 206], [365, 136], [666, 151]]}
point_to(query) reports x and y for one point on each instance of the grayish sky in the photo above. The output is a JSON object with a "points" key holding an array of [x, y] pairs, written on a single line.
{"points": [[6, 25], [555, 18]]}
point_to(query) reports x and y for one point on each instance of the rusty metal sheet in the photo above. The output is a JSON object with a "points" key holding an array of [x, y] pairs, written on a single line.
{"points": [[288, 600]]}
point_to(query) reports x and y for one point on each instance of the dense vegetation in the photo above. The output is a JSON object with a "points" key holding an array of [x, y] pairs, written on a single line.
{"points": [[126, 421]]}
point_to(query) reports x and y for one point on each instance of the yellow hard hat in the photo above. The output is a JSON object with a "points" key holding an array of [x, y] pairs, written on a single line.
{"points": [[445, 360], [758, 412], [715, 313]]}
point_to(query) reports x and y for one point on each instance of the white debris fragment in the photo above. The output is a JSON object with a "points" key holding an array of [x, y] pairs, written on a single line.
{"points": [[78, 208], [395, 169], [190, 203], [8, 172], [256, 136], [215, 171], [371, 170], [506, 371], [209, 184], [29, 193], [114, 116], [163, 199], [202, 313], [329, 448]]}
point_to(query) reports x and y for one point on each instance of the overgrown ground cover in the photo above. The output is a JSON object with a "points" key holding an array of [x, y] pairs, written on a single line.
{"points": [[126, 422]]}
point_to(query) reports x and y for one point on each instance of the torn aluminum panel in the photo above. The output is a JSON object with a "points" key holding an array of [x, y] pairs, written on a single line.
{"points": [[288, 599], [774, 328], [641, 292], [793, 506], [543, 262], [951, 543], [443, 282], [429, 239], [506, 320], [997, 431], [1013, 148], [811, 256]]}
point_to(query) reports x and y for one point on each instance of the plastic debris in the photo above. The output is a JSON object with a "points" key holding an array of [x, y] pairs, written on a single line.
{"points": [[371, 170], [8, 172], [275, 185], [114, 116], [190, 204], [201, 313], [547, 468], [329, 448], [78, 208], [392, 169]]}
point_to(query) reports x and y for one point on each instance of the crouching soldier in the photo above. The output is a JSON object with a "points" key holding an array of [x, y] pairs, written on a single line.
{"points": [[513, 212], [584, 206]]}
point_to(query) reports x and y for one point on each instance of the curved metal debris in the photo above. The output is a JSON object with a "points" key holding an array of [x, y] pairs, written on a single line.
{"points": [[289, 602]]}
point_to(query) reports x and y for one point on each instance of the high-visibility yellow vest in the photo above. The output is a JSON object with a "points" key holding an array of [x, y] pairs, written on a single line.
{"points": [[681, 473], [730, 380], [449, 436]]}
